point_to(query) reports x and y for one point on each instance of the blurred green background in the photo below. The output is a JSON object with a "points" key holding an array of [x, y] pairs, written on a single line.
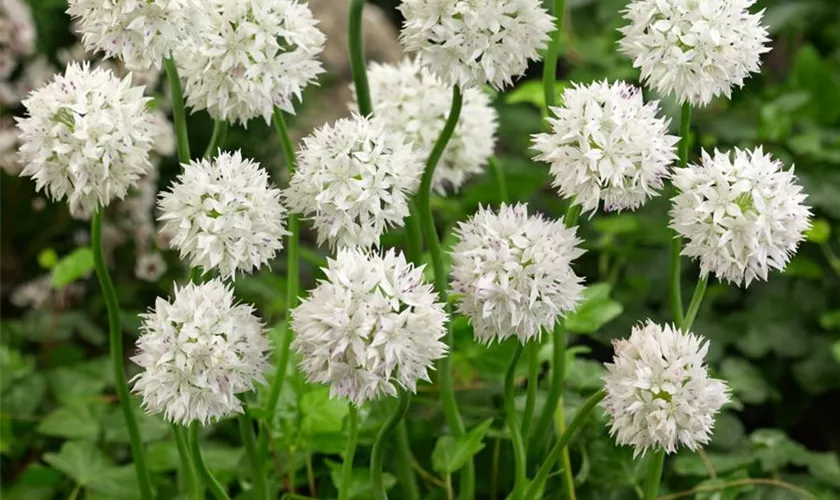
{"points": [[777, 343]]}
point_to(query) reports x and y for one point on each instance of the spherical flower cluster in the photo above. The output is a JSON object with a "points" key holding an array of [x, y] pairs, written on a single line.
{"points": [[354, 179], [139, 32], [694, 49], [413, 101], [607, 144], [198, 352], [248, 57], [741, 215], [87, 137], [659, 394], [473, 42], [514, 273], [223, 214], [17, 35], [370, 326]]}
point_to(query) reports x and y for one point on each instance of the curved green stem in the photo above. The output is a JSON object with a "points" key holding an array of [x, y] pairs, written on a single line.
{"points": [[654, 475], [499, 178], [405, 474], [209, 481], [555, 390], [424, 209], [246, 428], [179, 116], [357, 56], [414, 235], [539, 480], [109, 294], [520, 476], [676, 243], [550, 61], [378, 451], [532, 350], [216, 140], [694, 306], [349, 453], [188, 469], [568, 483]]}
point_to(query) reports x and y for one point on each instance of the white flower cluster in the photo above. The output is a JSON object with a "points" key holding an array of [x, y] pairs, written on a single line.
{"points": [[87, 137], [354, 178], [370, 326], [245, 58], [607, 144], [659, 394], [198, 352], [473, 42], [514, 272], [10, 142], [413, 101], [36, 73], [742, 214], [222, 214], [139, 32], [17, 35], [695, 49]]}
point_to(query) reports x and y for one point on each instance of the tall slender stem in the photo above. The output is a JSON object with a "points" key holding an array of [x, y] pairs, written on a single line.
{"points": [[406, 477], [246, 428], [654, 475], [349, 453], [520, 457], [555, 390], [568, 482], [676, 243], [414, 234], [357, 56], [179, 116], [424, 208], [550, 61], [694, 306], [216, 140], [499, 178], [378, 452], [198, 460], [187, 467], [539, 480], [532, 350], [109, 293]]}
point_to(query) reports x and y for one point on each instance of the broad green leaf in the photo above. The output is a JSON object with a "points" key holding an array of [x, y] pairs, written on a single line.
{"points": [[616, 224], [25, 396], [163, 456], [450, 454], [47, 258], [75, 421], [152, 427], [746, 381], [360, 485], [15, 366], [830, 320], [820, 231], [72, 267], [584, 375], [80, 460], [322, 414], [688, 463], [596, 310], [81, 381], [531, 92], [835, 351]]}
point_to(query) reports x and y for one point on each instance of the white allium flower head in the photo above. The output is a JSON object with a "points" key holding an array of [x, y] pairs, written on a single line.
{"points": [[87, 137], [473, 42], [606, 144], [659, 394], [223, 214], [139, 32], [354, 179], [694, 49], [513, 272], [198, 352], [742, 214], [370, 326], [245, 58], [413, 101]]}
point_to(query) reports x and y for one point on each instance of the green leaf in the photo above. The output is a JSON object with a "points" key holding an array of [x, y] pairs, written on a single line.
{"points": [[163, 456], [450, 454], [830, 320], [75, 421], [322, 414], [72, 267], [86, 465], [835, 351], [531, 92], [596, 310], [819, 232], [152, 427], [584, 375], [360, 485], [616, 224], [688, 463], [81, 381], [24, 397], [746, 381], [47, 258]]}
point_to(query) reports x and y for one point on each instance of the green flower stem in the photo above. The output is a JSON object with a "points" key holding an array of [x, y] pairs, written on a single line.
{"points": [[378, 452], [187, 467], [209, 481], [424, 209], [178, 114], [109, 293], [406, 477], [568, 483], [217, 139], [349, 453], [246, 428], [555, 390], [550, 61], [654, 475], [499, 178], [694, 306], [357, 57], [414, 234], [520, 477], [532, 350], [676, 243], [539, 480]]}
